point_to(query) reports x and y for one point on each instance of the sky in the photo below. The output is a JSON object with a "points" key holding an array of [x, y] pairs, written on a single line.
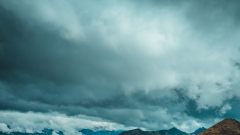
{"points": [[118, 64]]}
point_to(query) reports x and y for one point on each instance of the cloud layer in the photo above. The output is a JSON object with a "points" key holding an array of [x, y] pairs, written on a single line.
{"points": [[31, 122], [149, 64]]}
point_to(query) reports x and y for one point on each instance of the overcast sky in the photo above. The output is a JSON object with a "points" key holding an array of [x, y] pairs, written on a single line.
{"points": [[152, 64]]}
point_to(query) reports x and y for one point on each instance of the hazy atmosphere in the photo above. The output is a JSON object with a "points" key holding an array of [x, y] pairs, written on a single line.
{"points": [[118, 64]]}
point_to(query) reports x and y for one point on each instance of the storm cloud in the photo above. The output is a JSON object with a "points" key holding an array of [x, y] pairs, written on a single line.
{"points": [[148, 64]]}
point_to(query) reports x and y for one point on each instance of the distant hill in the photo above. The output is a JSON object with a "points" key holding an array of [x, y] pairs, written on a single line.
{"points": [[139, 132], [84, 132], [198, 131], [225, 127], [101, 132], [172, 131]]}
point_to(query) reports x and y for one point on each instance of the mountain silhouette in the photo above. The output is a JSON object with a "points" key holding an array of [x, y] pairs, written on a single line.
{"points": [[198, 131], [225, 127], [83, 131], [172, 131], [101, 132], [139, 132]]}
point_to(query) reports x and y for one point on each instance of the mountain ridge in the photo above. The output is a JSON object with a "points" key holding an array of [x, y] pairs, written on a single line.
{"points": [[227, 126], [100, 132], [172, 131], [198, 131]]}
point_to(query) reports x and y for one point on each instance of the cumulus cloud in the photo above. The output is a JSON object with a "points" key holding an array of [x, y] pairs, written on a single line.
{"points": [[151, 62], [54, 133], [4, 128], [224, 109]]}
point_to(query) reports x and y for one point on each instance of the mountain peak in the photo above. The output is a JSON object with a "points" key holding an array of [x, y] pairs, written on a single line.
{"points": [[229, 120], [136, 130], [227, 126], [199, 130], [173, 128], [172, 131], [139, 132]]}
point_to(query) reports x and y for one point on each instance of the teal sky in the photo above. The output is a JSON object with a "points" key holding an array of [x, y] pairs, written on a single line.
{"points": [[118, 64]]}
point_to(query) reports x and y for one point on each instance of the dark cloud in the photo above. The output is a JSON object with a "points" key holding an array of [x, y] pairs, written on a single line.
{"points": [[150, 64]]}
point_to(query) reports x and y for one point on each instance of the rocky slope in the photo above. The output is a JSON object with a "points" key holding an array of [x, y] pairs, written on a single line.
{"points": [[226, 127]]}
